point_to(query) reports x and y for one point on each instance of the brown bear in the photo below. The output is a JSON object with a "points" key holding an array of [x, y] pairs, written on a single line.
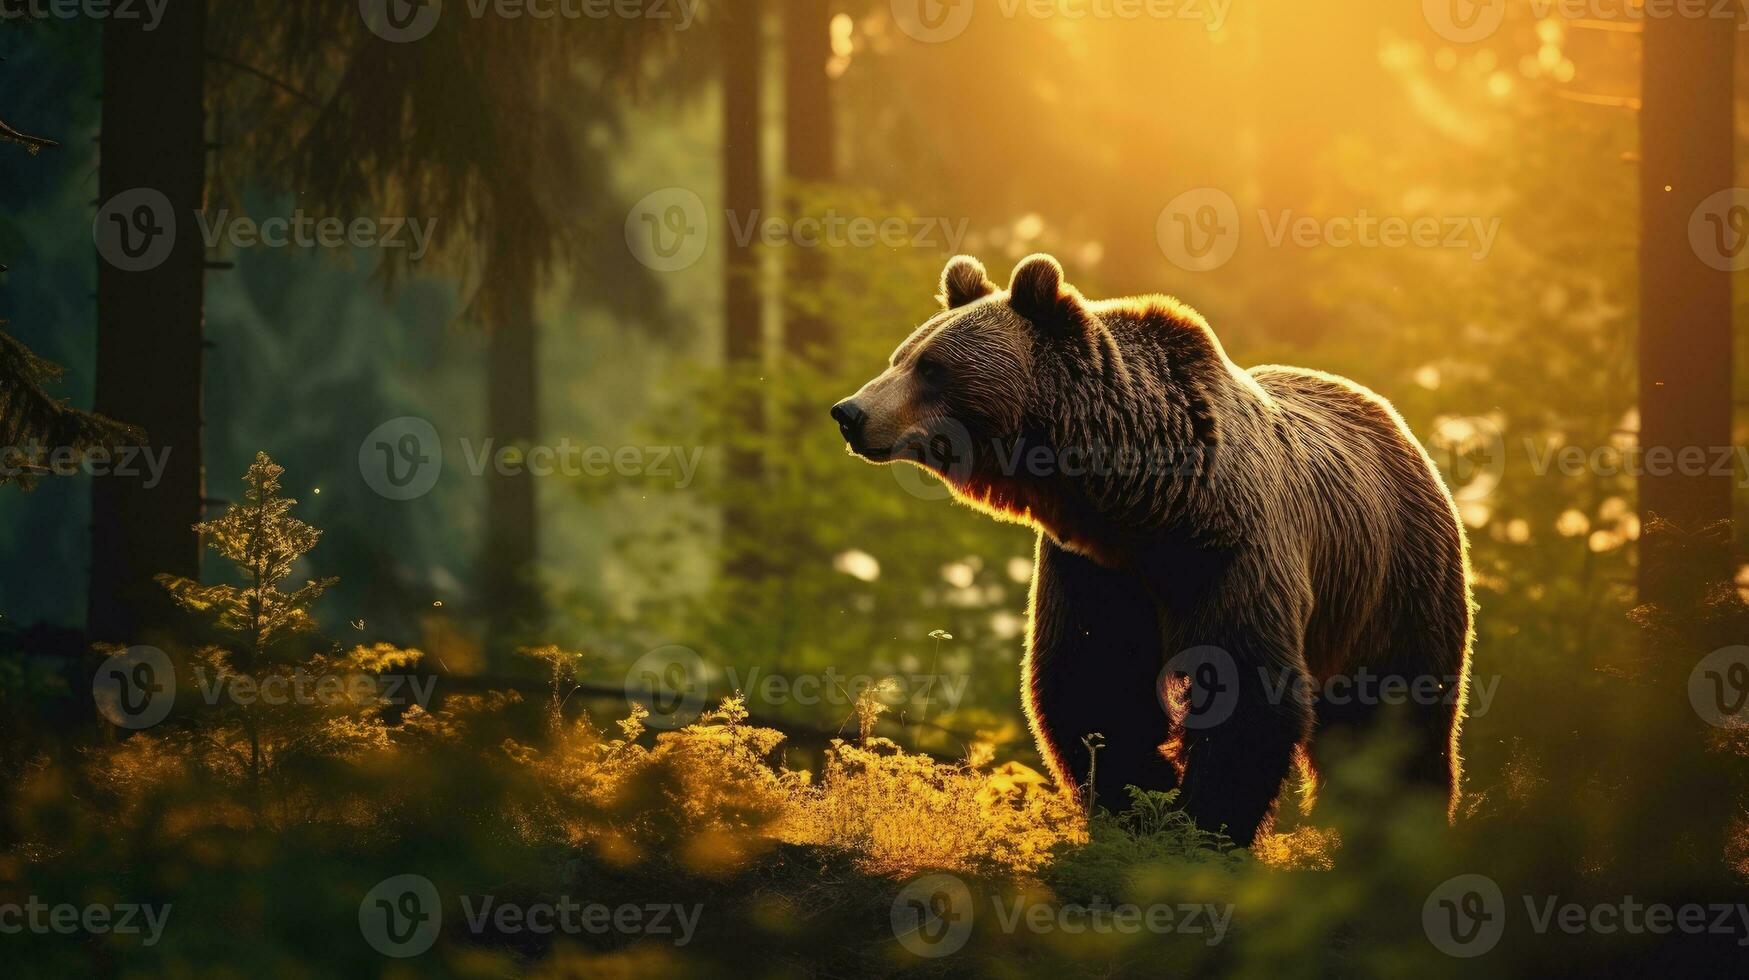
{"points": [[1227, 561]]}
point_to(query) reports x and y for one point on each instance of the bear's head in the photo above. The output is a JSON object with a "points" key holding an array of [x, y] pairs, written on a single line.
{"points": [[983, 383]]}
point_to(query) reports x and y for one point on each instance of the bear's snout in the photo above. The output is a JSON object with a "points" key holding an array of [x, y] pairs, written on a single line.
{"points": [[850, 418]]}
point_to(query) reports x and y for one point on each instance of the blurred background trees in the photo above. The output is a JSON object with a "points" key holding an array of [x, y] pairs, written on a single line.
{"points": [[497, 131]]}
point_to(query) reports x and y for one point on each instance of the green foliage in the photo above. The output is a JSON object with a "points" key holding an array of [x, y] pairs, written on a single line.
{"points": [[37, 431], [276, 699], [831, 562], [222, 807], [1152, 835], [31, 144], [264, 541], [1156, 818], [507, 161]]}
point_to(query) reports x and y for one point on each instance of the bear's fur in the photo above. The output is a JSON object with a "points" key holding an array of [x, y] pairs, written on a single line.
{"points": [[1285, 519]]}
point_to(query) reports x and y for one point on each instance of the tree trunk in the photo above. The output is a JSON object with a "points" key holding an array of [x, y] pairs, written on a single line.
{"points": [[1682, 798], [743, 198], [809, 150], [508, 566], [149, 313], [743, 179], [1686, 133]]}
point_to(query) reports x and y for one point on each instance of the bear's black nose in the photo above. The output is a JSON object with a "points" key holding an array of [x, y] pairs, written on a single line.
{"points": [[849, 419]]}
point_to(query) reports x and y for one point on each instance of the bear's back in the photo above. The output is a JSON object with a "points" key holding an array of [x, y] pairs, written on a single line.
{"points": [[1325, 417], [1364, 489]]}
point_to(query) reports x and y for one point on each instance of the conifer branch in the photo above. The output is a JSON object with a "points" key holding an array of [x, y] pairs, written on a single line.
{"points": [[31, 144]]}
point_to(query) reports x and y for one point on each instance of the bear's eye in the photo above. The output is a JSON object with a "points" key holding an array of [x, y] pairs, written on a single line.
{"points": [[931, 371]]}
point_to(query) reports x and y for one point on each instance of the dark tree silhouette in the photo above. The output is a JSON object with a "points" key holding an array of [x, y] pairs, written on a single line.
{"points": [[149, 320], [743, 175], [741, 39], [1686, 135], [809, 147], [1682, 791]]}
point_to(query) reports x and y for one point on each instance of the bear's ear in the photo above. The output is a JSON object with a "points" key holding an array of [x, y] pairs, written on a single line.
{"points": [[963, 281], [1037, 292]]}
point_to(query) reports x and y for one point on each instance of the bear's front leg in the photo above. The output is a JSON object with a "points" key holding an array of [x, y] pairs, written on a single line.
{"points": [[1093, 666], [1249, 712]]}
